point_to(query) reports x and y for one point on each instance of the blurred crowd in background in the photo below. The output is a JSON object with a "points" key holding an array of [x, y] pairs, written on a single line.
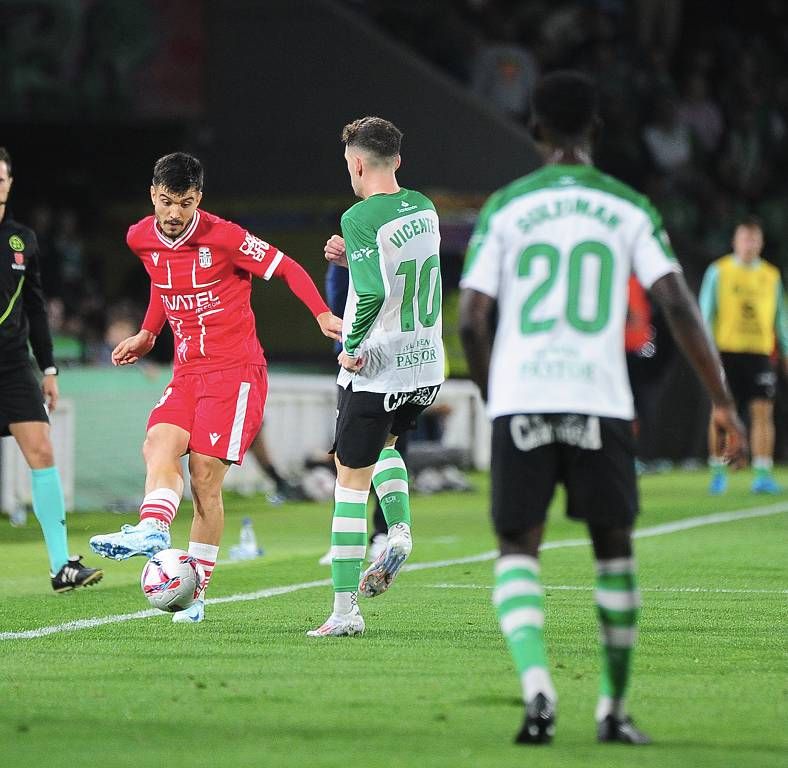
{"points": [[694, 102], [694, 95]]}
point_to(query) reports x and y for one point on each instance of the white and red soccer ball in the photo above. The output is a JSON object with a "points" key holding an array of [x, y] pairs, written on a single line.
{"points": [[172, 580]]}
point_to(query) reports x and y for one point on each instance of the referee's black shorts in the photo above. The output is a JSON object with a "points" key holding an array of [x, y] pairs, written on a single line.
{"points": [[592, 457], [21, 398]]}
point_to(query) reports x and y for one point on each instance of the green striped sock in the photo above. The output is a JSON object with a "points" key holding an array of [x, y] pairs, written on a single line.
{"points": [[618, 606], [390, 479], [348, 543], [519, 602]]}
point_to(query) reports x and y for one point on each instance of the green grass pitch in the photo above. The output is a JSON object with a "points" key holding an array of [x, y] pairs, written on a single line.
{"points": [[430, 683]]}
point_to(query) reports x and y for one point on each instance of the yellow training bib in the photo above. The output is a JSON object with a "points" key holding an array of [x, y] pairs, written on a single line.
{"points": [[746, 306]]}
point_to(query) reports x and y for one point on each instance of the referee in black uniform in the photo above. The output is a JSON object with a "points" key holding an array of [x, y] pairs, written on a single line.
{"points": [[23, 412]]}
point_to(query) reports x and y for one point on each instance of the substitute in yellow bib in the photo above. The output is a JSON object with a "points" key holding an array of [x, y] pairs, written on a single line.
{"points": [[743, 304]]}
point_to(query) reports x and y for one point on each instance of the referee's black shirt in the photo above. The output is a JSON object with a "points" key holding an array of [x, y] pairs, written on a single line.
{"points": [[23, 313]]}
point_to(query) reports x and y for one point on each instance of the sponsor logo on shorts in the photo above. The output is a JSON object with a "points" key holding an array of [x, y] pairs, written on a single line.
{"points": [[214, 437]]}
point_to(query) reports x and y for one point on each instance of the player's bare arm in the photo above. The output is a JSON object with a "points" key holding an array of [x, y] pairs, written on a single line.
{"points": [[335, 250], [476, 332], [130, 350], [352, 364], [683, 316], [50, 389], [331, 325]]}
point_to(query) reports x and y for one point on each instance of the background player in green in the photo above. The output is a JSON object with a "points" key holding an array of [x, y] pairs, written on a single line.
{"points": [[391, 360], [554, 251], [23, 318]]}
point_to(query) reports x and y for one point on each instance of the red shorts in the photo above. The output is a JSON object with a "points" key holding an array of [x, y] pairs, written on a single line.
{"points": [[222, 411]]}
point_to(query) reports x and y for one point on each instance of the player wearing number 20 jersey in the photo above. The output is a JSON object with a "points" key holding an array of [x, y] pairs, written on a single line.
{"points": [[556, 249]]}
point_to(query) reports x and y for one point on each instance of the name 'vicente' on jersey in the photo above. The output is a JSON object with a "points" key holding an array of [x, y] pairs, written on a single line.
{"points": [[201, 283], [393, 311]]}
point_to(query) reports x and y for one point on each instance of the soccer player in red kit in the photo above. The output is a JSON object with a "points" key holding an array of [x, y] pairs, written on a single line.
{"points": [[201, 269]]}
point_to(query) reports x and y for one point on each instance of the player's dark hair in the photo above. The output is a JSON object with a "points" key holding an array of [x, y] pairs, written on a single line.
{"points": [[565, 105], [5, 157], [178, 173], [750, 222], [374, 134]]}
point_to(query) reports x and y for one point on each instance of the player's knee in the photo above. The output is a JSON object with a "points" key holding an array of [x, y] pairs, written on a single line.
{"points": [[520, 541], [610, 543], [40, 454]]}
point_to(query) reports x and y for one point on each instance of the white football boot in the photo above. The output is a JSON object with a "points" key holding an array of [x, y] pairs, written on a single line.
{"points": [[146, 538], [340, 625], [380, 575], [191, 615]]}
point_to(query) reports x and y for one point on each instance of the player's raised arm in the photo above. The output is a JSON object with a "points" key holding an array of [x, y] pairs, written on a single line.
{"points": [[681, 311], [265, 260]]}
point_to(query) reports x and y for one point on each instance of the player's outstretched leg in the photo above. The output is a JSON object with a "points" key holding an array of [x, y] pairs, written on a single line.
{"points": [[149, 536], [618, 605], [348, 545], [519, 602], [390, 479], [206, 555]]}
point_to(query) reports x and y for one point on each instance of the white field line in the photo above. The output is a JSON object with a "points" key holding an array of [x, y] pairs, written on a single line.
{"points": [[643, 533], [671, 590]]}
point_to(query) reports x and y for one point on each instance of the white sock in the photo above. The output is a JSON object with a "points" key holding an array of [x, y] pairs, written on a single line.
{"points": [[762, 462], [160, 504], [609, 706], [536, 680], [206, 555], [345, 602]]}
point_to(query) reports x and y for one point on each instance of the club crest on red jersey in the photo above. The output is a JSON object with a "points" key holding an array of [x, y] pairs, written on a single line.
{"points": [[205, 257]]}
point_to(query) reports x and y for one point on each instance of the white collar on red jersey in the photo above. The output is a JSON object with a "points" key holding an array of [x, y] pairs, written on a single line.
{"points": [[183, 237]]}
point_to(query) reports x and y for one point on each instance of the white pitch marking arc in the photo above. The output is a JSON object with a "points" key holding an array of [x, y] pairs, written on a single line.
{"points": [[643, 533]]}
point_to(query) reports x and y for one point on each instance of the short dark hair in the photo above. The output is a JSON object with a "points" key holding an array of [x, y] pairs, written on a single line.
{"points": [[750, 222], [565, 104], [374, 134], [5, 157], [178, 173]]}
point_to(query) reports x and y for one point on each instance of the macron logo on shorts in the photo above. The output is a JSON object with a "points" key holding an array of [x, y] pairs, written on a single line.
{"points": [[214, 437]]}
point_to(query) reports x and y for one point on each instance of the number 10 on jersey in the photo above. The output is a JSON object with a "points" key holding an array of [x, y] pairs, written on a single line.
{"points": [[429, 293]]}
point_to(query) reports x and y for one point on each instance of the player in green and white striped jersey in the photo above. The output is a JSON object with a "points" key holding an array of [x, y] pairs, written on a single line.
{"points": [[554, 251], [391, 361]]}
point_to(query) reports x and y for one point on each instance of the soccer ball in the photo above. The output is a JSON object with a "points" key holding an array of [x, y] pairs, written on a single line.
{"points": [[172, 580]]}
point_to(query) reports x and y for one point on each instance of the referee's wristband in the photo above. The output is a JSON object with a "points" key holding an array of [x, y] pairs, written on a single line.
{"points": [[50, 370]]}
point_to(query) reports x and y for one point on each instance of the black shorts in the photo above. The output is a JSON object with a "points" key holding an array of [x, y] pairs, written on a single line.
{"points": [[750, 377], [593, 457], [21, 398], [366, 419]]}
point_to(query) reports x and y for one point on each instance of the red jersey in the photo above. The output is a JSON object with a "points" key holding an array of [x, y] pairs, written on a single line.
{"points": [[202, 282]]}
